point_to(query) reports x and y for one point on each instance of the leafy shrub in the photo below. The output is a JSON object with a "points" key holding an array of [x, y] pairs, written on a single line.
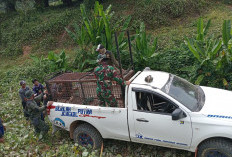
{"points": [[96, 28], [85, 60], [227, 1], [57, 62], [161, 12], [36, 28], [144, 49], [177, 60], [213, 56], [24, 6]]}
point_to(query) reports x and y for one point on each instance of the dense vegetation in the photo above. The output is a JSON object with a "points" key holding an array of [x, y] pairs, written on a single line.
{"points": [[36, 41]]}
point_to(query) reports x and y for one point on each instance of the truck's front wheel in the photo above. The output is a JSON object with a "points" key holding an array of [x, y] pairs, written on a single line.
{"points": [[86, 135], [215, 148]]}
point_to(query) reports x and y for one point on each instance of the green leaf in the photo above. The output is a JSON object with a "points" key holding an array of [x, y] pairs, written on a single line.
{"points": [[200, 28], [193, 50], [154, 46], [216, 48], [199, 79], [199, 49], [207, 27], [226, 30], [225, 83], [230, 44]]}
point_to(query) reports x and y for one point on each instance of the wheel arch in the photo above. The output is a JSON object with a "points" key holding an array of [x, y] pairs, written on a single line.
{"points": [[216, 137], [75, 124]]}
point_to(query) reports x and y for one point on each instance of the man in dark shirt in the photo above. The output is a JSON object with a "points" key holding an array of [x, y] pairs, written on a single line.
{"points": [[37, 88], [2, 129], [22, 92]]}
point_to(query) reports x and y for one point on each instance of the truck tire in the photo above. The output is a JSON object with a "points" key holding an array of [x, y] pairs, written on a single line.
{"points": [[85, 134], [215, 148]]}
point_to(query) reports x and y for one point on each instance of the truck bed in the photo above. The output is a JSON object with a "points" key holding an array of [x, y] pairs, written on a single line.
{"points": [[80, 88]]}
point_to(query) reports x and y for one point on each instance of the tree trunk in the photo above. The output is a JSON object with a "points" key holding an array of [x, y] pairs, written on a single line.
{"points": [[46, 3], [67, 2], [10, 6]]}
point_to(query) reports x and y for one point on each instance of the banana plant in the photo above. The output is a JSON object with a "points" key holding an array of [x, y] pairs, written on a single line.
{"points": [[58, 62], [80, 36], [203, 48], [212, 54], [227, 33], [201, 30], [143, 46], [98, 23], [95, 28]]}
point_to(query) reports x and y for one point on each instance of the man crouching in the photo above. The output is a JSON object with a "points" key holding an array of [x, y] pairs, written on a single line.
{"points": [[35, 112]]}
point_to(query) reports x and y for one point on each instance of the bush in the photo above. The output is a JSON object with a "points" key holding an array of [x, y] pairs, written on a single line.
{"points": [[144, 48], [213, 56], [161, 12], [36, 27], [178, 61]]}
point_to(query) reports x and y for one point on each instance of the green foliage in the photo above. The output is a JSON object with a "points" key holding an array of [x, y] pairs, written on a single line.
{"points": [[226, 33], [24, 6], [96, 28], [89, 3], [58, 62], [144, 47], [213, 55], [227, 1], [177, 60], [204, 48], [162, 12], [84, 60], [80, 36], [37, 29]]}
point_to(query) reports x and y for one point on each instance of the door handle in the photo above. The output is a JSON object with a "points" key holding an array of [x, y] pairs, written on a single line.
{"points": [[142, 120]]}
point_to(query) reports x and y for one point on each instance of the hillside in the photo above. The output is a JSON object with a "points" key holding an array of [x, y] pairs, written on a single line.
{"points": [[44, 30]]}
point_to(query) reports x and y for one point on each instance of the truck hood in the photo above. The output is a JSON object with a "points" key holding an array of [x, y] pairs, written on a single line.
{"points": [[218, 103]]}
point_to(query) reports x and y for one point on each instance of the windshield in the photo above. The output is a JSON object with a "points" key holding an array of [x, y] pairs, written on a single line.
{"points": [[189, 95]]}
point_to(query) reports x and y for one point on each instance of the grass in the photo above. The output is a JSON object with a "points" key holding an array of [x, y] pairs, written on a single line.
{"points": [[169, 37], [44, 30], [40, 30], [20, 139]]}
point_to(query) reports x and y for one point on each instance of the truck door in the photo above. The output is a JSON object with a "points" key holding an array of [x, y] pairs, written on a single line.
{"points": [[153, 124]]}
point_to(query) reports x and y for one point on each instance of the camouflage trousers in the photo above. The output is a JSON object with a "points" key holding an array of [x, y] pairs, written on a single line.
{"points": [[39, 125], [106, 98]]}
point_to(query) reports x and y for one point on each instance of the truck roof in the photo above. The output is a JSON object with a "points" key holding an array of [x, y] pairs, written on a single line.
{"points": [[159, 78]]}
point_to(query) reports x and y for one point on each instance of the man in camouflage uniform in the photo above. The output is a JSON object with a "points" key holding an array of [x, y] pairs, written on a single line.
{"points": [[112, 61], [35, 113], [22, 92], [105, 74]]}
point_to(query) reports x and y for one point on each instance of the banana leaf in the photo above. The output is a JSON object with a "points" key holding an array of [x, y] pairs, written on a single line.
{"points": [[226, 30]]}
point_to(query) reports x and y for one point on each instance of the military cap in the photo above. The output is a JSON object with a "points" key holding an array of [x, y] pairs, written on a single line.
{"points": [[22, 82], [100, 46], [29, 94]]}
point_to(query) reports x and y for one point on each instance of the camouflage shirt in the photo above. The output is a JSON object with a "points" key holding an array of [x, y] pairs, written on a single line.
{"points": [[22, 92], [33, 109], [113, 62], [105, 74]]}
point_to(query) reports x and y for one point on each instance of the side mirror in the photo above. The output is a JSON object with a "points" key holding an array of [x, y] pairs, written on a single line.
{"points": [[178, 114]]}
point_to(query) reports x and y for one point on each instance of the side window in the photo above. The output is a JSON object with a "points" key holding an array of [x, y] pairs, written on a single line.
{"points": [[150, 102]]}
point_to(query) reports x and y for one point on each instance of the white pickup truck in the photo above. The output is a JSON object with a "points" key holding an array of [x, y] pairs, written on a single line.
{"points": [[159, 109]]}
